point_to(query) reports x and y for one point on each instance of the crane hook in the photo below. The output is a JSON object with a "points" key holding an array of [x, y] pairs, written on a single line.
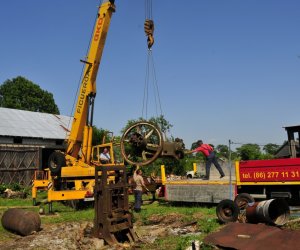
{"points": [[149, 30]]}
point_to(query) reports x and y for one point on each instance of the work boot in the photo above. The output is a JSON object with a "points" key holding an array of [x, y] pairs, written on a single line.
{"points": [[222, 175]]}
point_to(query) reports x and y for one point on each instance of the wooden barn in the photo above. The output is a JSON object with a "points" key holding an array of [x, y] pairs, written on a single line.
{"points": [[26, 141]]}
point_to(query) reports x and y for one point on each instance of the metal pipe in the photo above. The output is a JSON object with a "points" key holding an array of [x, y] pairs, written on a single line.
{"points": [[274, 211], [21, 221]]}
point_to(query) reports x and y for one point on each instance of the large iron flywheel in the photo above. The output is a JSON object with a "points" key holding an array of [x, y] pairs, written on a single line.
{"points": [[142, 143]]}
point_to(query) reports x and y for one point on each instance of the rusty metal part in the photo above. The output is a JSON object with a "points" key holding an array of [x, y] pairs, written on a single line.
{"points": [[242, 200], [173, 149], [21, 221], [245, 236], [274, 211], [113, 220], [142, 143], [227, 211]]}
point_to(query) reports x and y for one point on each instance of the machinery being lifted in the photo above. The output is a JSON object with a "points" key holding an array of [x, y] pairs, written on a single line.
{"points": [[71, 174], [78, 173]]}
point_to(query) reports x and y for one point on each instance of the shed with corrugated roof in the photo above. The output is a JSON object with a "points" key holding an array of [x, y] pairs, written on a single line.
{"points": [[26, 141]]}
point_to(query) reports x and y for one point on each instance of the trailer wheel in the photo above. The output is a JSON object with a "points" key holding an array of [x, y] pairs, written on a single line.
{"points": [[55, 162], [227, 211], [242, 200]]}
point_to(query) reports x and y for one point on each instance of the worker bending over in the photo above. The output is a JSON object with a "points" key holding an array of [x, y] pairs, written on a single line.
{"points": [[210, 155]]}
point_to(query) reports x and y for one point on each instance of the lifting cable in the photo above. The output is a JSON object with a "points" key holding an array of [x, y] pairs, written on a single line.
{"points": [[149, 24], [150, 78], [151, 75]]}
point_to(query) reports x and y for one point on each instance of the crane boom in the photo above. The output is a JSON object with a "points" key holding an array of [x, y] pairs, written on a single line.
{"points": [[81, 131]]}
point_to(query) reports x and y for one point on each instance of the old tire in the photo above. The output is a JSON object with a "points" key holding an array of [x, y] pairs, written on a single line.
{"points": [[227, 211], [55, 162], [242, 200]]}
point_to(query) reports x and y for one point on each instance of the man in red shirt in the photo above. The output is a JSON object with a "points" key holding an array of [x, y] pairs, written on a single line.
{"points": [[210, 155]]}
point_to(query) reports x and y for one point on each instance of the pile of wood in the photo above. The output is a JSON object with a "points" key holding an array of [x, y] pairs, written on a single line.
{"points": [[8, 193]]}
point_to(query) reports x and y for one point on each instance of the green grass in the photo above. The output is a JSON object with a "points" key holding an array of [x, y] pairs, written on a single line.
{"points": [[204, 217], [188, 212], [15, 202], [62, 213]]}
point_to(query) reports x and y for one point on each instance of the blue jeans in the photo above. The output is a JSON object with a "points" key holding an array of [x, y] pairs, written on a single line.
{"points": [[138, 200], [212, 159]]}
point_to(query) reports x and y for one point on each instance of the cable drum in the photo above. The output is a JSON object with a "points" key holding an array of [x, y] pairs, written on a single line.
{"points": [[274, 211]]}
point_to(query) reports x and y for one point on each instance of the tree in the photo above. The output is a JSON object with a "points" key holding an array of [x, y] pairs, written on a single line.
{"points": [[20, 93], [162, 123], [249, 152], [159, 121], [100, 136], [271, 148], [222, 151]]}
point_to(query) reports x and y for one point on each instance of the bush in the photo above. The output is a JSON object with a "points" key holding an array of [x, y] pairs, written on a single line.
{"points": [[14, 187], [3, 187]]}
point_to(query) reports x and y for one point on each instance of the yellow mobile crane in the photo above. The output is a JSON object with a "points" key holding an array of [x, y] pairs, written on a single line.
{"points": [[78, 173], [71, 174]]}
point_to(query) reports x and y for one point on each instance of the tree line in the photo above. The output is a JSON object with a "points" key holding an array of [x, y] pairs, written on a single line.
{"points": [[21, 93]]}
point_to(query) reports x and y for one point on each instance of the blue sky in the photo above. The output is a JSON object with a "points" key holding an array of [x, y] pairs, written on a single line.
{"points": [[226, 69]]}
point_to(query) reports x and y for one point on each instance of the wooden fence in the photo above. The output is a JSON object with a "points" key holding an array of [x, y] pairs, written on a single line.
{"points": [[18, 163]]}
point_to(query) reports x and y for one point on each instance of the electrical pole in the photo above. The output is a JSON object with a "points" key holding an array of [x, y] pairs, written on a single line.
{"points": [[230, 166]]}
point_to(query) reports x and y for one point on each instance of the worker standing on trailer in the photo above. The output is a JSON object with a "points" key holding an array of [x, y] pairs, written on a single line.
{"points": [[210, 155], [138, 191]]}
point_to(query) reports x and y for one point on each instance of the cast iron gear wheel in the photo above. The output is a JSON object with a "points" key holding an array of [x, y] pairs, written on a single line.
{"points": [[142, 143]]}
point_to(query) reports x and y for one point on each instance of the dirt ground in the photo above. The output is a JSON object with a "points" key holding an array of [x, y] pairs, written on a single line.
{"points": [[75, 235]]}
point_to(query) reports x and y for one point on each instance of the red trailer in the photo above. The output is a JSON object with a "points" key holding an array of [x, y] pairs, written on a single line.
{"points": [[278, 178], [265, 179]]}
